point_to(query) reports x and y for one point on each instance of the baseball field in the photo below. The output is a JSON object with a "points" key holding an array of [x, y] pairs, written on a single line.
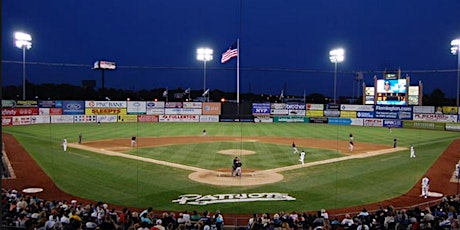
{"points": [[174, 159]]}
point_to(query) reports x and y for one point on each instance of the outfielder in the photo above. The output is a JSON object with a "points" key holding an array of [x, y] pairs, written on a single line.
{"points": [[302, 157], [425, 186], [64, 144], [296, 151], [412, 151]]}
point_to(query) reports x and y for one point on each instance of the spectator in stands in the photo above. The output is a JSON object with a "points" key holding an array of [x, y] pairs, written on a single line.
{"points": [[347, 221]]}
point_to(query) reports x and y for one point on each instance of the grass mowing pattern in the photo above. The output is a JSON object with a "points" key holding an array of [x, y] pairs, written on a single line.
{"points": [[137, 184]]}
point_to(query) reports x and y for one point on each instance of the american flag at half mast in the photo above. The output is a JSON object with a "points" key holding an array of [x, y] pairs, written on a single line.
{"points": [[230, 53]]}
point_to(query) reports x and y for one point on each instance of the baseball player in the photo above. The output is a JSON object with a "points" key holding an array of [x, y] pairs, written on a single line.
{"points": [[235, 160], [80, 137], [64, 144], [238, 165], [395, 143], [425, 186], [457, 170], [412, 151], [296, 151], [204, 132], [302, 157], [133, 141], [351, 146]]}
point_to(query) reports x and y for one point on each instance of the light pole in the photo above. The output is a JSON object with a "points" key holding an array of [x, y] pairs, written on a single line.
{"points": [[204, 54], [23, 41], [336, 56], [455, 49]]}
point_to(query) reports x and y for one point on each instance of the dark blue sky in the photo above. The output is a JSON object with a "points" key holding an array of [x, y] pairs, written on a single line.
{"points": [[282, 43]]}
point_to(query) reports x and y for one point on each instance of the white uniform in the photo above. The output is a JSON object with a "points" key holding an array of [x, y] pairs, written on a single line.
{"points": [[457, 170], [302, 157], [64, 144], [294, 148], [425, 186], [412, 152]]}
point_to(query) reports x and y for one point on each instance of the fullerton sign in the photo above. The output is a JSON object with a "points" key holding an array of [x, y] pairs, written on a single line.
{"points": [[196, 199]]}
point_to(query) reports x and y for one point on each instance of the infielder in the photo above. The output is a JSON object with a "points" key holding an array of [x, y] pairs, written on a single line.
{"points": [[296, 151], [302, 157], [64, 144], [412, 151], [425, 186], [133, 141], [351, 146], [457, 170], [238, 165]]}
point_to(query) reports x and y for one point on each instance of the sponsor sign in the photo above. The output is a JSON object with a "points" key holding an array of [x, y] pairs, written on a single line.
{"points": [[265, 119], [452, 110], [47, 104], [393, 112], [155, 104], [50, 111], [73, 107], [296, 112], [315, 113], [295, 106], [435, 117], [127, 118], [193, 105], [147, 118], [392, 123], [314, 107], [332, 107], [179, 111], [7, 121], [40, 119], [44, 111], [261, 109], [369, 100], [423, 125], [19, 111], [21, 120], [155, 111], [62, 119], [322, 120], [423, 109], [105, 104], [196, 199], [279, 111], [136, 107], [339, 121], [290, 119], [209, 118], [280, 106], [211, 108], [179, 118], [106, 118], [331, 113], [365, 114], [26, 103], [453, 127], [174, 105], [105, 111], [357, 121], [8, 103], [349, 114], [85, 118], [366, 108], [373, 122]]}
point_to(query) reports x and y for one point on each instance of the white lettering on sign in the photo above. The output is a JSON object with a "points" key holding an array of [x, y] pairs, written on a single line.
{"points": [[196, 199]]}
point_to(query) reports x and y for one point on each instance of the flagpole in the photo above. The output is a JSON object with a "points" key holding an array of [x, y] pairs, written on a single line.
{"points": [[238, 72]]}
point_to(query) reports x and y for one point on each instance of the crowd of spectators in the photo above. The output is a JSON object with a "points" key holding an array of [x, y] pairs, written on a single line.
{"points": [[23, 211]]}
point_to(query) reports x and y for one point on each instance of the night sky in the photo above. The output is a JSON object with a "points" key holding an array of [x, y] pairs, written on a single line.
{"points": [[283, 44]]}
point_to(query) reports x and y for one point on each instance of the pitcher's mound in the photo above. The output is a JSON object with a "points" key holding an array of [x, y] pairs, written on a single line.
{"points": [[224, 178], [237, 152]]}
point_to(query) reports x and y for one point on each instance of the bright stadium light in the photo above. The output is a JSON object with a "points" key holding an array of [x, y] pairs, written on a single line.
{"points": [[204, 54], [336, 56], [455, 49], [23, 41]]}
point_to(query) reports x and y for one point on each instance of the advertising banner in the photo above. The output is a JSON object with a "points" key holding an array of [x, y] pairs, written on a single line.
{"points": [[50, 111], [7, 121], [280, 106], [105, 111], [155, 111], [106, 118], [179, 118], [127, 118], [339, 121], [292, 112], [179, 111], [365, 114], [453, 127], [357, 121], [290, 119], [155, 104], [365, 108], [423, 109], [349, 114], [85, 118], [295, 106], [62, 119], [331, 113], [322, 120], [261, 109], [49, 104], [423, 125], [19, 111], [8, 103], [209, 118], [26, 103], [263, 119], [174, 105], [147, 118], [211, 108], [452, 110], [314, 107], [315, 113], [105, 104], [73, 107], [392, 123], [193, 105], [21, 120], [44, 111], [279, 112], [136, 107], [393, 112], [373, 122], [44, 119], [435, 117]]}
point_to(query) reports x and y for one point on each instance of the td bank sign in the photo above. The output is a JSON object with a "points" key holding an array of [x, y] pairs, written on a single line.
{"points": [[196, 199]]}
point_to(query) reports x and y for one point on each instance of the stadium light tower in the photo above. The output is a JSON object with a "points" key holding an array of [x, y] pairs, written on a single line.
{"points": [[455, 50], [336, 56], [204, 54], [23, 41]]}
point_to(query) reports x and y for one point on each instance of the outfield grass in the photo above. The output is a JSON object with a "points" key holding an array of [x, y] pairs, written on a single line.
{"points": [[133, 183]]}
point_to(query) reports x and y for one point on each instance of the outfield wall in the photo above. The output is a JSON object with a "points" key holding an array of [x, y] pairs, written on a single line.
{"points": [[42, 112]]}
